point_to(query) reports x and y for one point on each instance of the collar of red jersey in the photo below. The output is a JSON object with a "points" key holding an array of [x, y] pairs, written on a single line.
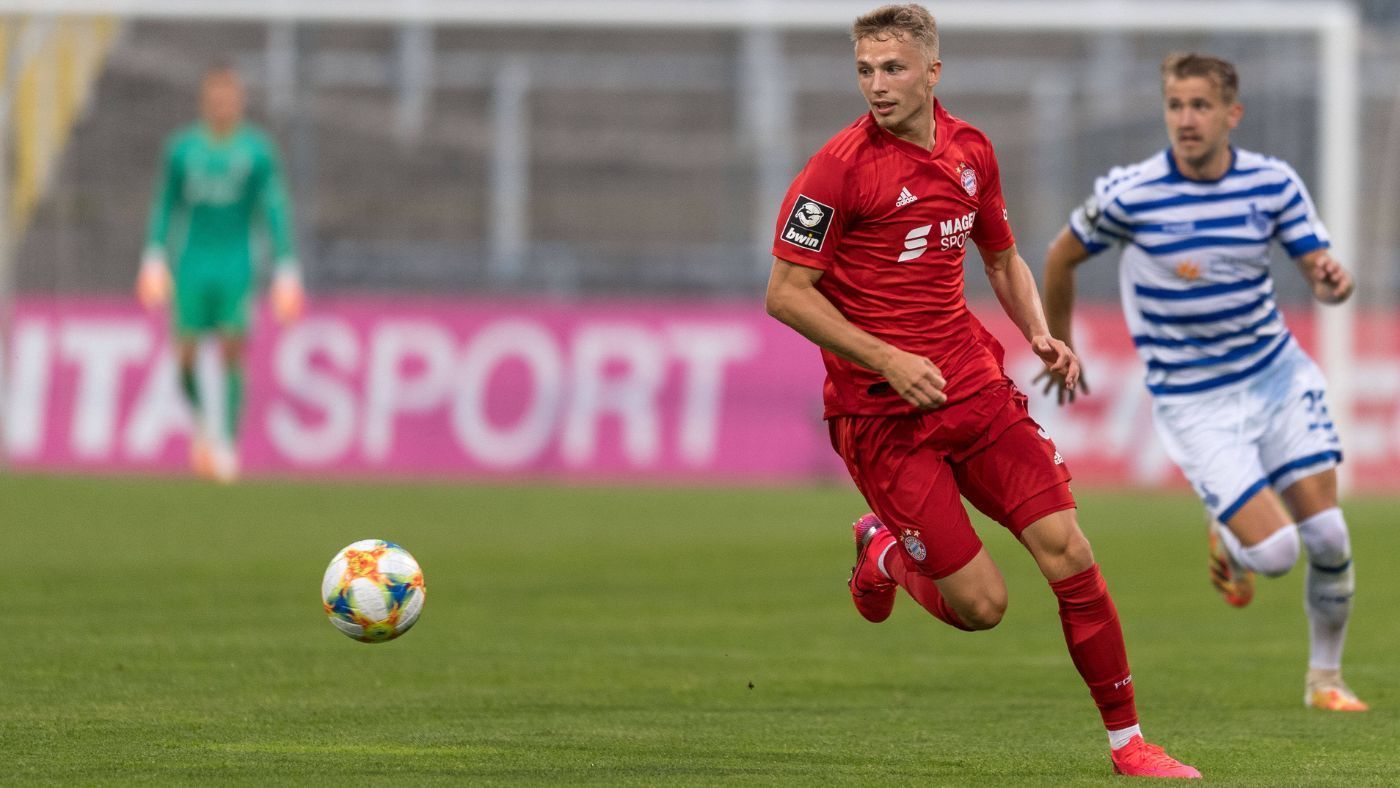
{"points": [[942, 128]]}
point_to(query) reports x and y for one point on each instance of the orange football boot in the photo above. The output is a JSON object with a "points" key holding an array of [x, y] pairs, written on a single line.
{"points": [[1327, 691], [201, 457], [1234, 582], [1137, 758]]}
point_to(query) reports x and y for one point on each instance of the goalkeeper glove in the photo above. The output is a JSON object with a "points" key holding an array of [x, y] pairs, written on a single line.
{"points": [[288, 297], [153, 281]]}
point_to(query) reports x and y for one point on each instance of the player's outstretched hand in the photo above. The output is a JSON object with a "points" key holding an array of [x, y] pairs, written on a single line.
{"points": [[153, 282], [1062, 371], [1056, 381], [915, 378], [288, 297]]}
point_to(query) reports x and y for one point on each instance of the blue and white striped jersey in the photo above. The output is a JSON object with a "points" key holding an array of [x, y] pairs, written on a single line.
{"points": [[1196, 289]]}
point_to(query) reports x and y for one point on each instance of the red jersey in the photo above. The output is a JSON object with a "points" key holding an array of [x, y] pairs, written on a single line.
{"points": [[889, 223]]}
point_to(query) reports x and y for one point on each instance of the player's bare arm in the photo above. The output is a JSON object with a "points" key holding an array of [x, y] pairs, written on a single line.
{"points": [[794, 299], [1014, 285], [1331, 283], [1064, 256]]}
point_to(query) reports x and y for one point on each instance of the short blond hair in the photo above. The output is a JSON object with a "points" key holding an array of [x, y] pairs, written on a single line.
{"points": [[1221, 73], [909, 20]]}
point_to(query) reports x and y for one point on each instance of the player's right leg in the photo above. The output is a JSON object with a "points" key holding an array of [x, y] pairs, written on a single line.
{"points": [[201, 447], [191, 318]]}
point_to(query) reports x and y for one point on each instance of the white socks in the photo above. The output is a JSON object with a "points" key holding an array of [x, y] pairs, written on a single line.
{"points": [[1330, 581], [880, 563], [1329, 586], [1272, 557], [1119, 739], [1325, 534]]}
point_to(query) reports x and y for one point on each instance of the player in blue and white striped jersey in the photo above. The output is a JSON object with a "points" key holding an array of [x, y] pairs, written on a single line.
{"points": [[1237, 403]]}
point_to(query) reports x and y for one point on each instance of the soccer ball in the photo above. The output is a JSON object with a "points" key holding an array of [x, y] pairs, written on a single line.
{"points": [[373, 591]]}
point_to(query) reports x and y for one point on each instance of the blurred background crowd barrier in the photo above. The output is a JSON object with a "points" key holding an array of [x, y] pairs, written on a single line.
{"points": [[538, 248]]}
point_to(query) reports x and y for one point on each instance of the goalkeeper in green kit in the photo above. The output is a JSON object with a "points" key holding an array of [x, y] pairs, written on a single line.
{"points": [[220, 178]]}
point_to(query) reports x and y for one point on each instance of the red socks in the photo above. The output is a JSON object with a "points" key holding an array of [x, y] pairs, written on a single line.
{"points": [[1092, 633], [924, 591], [1095, 641]]}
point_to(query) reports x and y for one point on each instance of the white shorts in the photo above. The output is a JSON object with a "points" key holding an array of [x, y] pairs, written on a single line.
{"points": [[1270, 433]]}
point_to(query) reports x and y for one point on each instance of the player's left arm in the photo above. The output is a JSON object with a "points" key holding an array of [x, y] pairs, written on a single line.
{"points": [[277, 209], [1012, 279], [1015, 288], [1331, 282], [288, 297], [1301, 232]]}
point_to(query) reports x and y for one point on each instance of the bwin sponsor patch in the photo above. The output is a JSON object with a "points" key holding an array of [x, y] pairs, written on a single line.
{"points": [[807, 224]]}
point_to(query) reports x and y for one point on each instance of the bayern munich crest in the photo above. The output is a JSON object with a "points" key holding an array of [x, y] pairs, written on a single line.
{"points": [[969, 181], [914, 546]]}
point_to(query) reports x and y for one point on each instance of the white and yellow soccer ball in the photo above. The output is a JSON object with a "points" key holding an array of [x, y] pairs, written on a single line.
{"points": [[373, 591]]}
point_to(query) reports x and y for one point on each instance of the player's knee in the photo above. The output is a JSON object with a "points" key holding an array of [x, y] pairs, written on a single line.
{"points": [[1325, 535], [187, 354], [1060, 551], [232, 351], [984, 613], [1277, 554], [1078, 555]]}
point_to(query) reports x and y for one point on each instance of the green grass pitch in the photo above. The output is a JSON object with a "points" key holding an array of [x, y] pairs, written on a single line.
{"points": [[165, 631]]}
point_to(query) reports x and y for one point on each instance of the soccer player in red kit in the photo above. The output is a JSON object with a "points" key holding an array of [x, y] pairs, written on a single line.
{"points": [[869, 266]]}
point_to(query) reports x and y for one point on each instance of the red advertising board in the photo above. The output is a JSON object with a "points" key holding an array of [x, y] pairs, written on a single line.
{"points": [[616, 391]]}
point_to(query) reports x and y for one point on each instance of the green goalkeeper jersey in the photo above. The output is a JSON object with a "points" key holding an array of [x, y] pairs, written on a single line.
{"points": [[210, 195]]}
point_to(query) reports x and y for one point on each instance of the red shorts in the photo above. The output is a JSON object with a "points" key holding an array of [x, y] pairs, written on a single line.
{"points": [[912, 469]]}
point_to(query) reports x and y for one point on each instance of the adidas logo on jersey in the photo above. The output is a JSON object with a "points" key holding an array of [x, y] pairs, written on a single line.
{"points": [[905, 197]]}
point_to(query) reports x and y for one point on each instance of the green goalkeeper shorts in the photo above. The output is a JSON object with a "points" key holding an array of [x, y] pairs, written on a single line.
{"points": [[212, 301]]}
